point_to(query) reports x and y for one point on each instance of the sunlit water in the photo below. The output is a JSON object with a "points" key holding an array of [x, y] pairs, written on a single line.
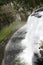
{"points": [[27, 42]]}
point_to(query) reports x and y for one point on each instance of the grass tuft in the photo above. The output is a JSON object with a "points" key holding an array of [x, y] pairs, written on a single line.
{"points": [[5, 31]]}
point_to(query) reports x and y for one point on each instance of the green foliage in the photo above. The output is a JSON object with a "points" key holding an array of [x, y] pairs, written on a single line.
{"points": [[26, 3], [7, 16], [4, 2], [29, 3], [5, 31]]}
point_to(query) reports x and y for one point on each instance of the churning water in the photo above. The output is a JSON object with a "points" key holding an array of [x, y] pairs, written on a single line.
{"points": [[24, 46]]}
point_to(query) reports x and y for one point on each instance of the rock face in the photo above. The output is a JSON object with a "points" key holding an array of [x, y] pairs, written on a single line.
{"points": [[24, 46]]}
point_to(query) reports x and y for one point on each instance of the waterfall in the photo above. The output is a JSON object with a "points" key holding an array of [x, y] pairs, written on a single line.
{"points": [[24, 47]]}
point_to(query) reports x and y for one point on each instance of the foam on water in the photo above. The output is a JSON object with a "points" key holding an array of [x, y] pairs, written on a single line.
{"points": [[33, 38]]}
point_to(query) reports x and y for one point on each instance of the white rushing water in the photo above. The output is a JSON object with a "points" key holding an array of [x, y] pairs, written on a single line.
{"points": [[32, 39], [31, 42]]}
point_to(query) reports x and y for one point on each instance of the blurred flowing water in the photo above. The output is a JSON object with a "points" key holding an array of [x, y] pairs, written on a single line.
{"points": [[24, 46]]}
